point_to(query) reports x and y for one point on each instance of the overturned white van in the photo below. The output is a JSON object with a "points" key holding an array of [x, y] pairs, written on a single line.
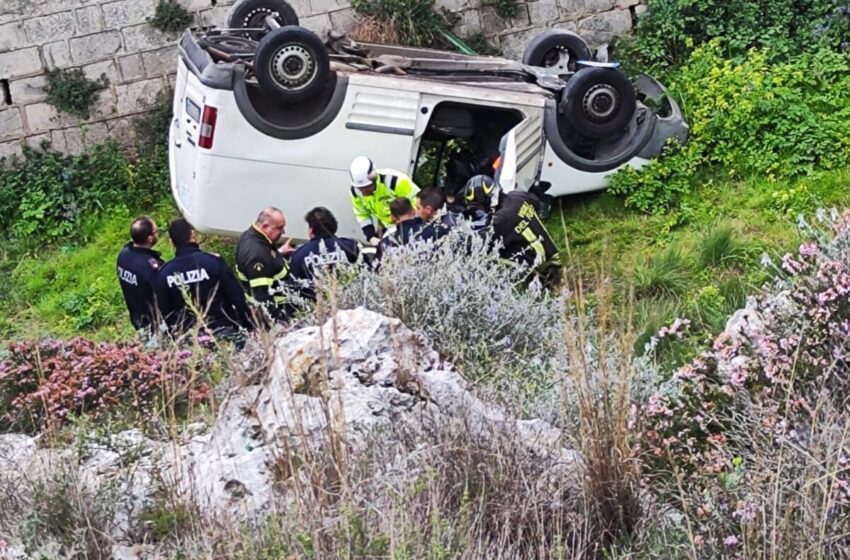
{"points": [[266, 113]]}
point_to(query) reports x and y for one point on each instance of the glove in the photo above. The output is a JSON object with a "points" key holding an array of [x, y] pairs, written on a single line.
{"points": [[374, 241]]}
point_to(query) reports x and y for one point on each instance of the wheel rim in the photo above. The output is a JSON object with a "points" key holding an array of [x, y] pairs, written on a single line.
{"points": [[560, 58], [256, 18], [293, 67], [600, 103]]}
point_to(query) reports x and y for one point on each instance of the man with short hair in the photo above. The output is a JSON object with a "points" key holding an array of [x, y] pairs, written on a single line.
{"points": [[372, 190], [261, 265], [430, 207], [324, 250], [137, 268], [194, 282], [408, 226]]}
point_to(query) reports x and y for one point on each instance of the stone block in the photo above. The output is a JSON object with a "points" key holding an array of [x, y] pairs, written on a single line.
{"points": [[104, 68], [127, 12], [13, 10], [521, 19], [596, 6], [568, 25], [544, 12], [321, 6], [196, 5], [137, 96], [106, 105], [89, 20], [343, 20], [131, 67], [452, 5], [12, 37], [513, 44], [144, 37], [491, 22], [216, 16], [23, 62], [11, 124], [601, 28], [36, 140], [95, 47], [10, 149], [641, 9], [469, 24], [28, 90], [159, 62], [56, 55], [49, 28], [319, 24], [573, 9], [74, 140], [42, 117], [121, 130], [623, 4]]}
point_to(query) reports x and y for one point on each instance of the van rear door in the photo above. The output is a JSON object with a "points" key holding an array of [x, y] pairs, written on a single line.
{"points": [[184, 136], [520, 156]]}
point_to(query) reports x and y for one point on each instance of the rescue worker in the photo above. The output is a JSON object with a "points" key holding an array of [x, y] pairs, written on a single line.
{"points": [[516, 224], [137, 268], [430, 207], [262, 267], [324, 250], [372, 190], [198, 282], [408, 226], [477, 197]]}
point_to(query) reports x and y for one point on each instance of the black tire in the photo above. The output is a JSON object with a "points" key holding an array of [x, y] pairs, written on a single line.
{"points": [[249, 14], [546, 50], [229, 44], [598, 102], [293, 62]]}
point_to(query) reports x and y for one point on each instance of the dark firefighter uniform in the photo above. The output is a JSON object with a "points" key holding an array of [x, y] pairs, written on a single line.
{"points": [[321, 254], [137, 271], [209, 282], [524, 237], [404, 233], [263, 272]]}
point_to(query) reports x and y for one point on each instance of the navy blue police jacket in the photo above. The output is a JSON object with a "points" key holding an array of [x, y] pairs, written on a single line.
{"points": [[320, 254], [208, 280], [137, 270]]}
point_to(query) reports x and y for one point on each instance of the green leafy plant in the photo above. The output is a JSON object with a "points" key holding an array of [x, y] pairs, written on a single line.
{"points": [[170, 16], [416, 21], [505, 8], [70, 91], [481, 45]]}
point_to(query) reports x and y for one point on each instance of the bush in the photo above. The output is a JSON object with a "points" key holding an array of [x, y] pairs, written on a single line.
{"points": [[750, 117], [170, 16], [416, 22], [752, 432], [70, 91], [671, 29], [46, 195], [44, 384]]}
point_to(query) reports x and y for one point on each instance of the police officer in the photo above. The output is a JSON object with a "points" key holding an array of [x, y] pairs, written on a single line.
{"points": [[372, 190], [324, 251], [262, 267], [198, 282], [137, 269], [516, 223], [408, 226], [430, 207]]}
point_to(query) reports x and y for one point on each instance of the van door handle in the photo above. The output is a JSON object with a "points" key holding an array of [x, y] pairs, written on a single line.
{"points": [[178, 142]]}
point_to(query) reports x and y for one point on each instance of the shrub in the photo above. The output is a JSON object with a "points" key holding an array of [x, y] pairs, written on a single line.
{"points": [[416, 21], [753, 428], [70, 91], [671, 29], [750, 117], [664, 274], [170, 16], [719, 247], [151, 128], [505, 8], [44, 384]]}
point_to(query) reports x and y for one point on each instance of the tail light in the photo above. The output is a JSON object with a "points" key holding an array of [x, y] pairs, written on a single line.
{"points": [[207, 127]]}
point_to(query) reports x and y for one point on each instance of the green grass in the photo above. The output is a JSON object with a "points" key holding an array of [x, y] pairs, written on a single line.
{"points": [[698, 262]]}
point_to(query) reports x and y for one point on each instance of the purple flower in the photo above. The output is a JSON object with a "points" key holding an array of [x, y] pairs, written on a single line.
{"points": [[731, 541]]}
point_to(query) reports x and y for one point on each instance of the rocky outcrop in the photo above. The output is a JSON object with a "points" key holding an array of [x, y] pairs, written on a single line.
{"points": [[356, 385]]}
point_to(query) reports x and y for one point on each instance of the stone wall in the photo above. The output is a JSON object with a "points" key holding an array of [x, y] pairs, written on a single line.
{"points": [[113, 38]]}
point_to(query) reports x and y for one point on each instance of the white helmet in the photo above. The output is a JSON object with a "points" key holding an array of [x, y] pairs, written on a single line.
{"points": [[361, 170]]}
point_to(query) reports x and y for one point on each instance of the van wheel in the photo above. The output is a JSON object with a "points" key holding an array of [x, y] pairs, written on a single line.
{"points": [[229, 44], [293, 62], [251, 14], [598, 102], [557, 48]]}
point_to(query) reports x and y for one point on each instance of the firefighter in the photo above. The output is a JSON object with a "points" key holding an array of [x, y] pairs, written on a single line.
{"points": [[324, 251], [137, 268], [372, 190], [514, 221], [262, 266], [195, 282]]}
